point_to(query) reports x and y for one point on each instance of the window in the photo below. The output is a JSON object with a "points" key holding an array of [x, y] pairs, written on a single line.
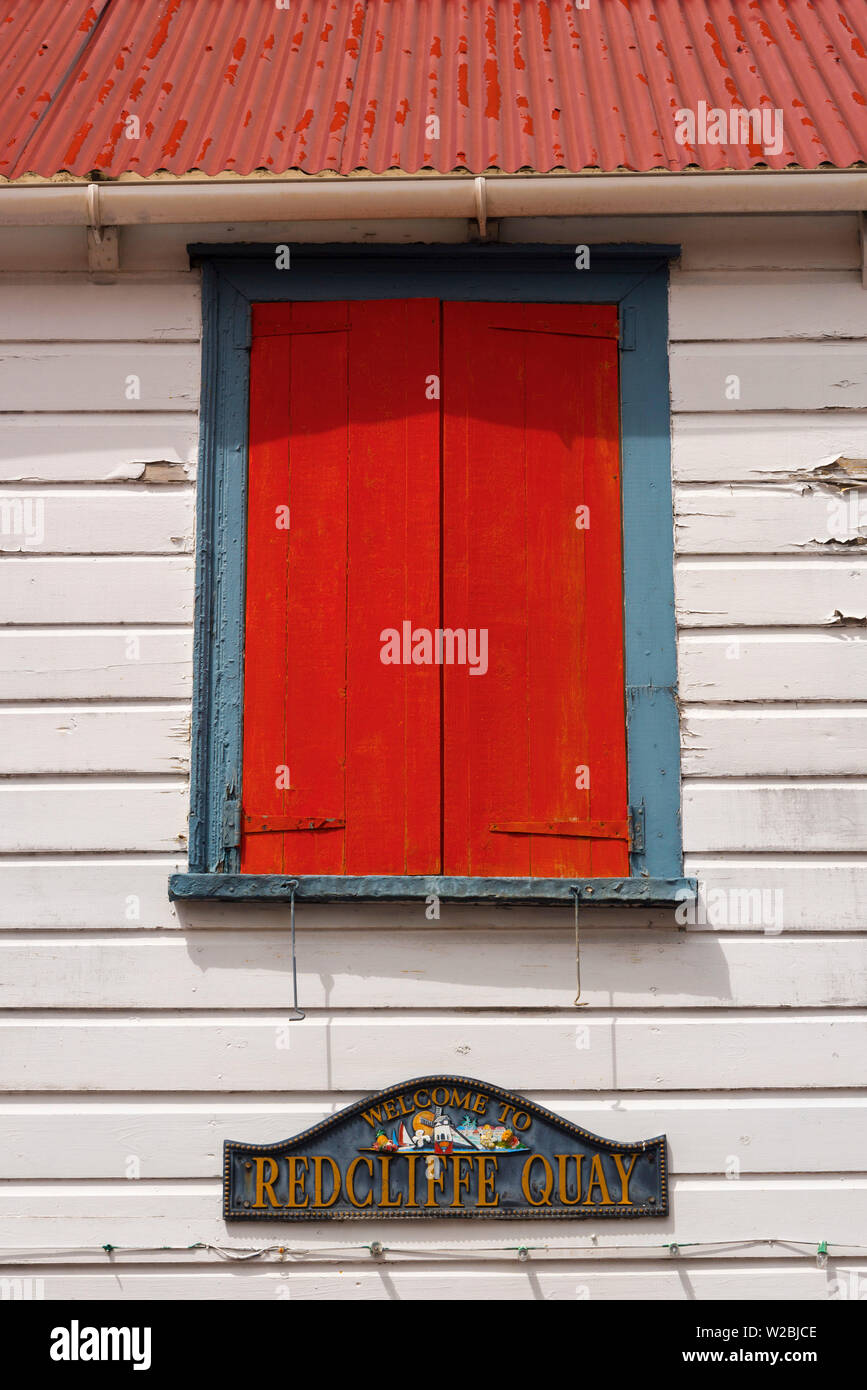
{"points": [[434, 636], [435, 639]]}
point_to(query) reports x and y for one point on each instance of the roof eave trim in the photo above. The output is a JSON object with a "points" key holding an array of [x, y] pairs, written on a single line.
{"points": [[562, 195]]}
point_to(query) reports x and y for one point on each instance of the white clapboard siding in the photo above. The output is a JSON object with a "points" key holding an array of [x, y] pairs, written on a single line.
{"points": [[98, 447], [81, 892], [799, 241], [94, 664], [42, 589], [771, 376], [775, 742], [50, 308], [40, 816], [602, 1051], [467, 1280], [803, 666], [90, 521], [172, 1137], [708, 306], [99, 376], [431, 970], [769, 593], [85, 739], [817, 893], [828, 816], [768, 520], [757, 448], [791, 1214]]}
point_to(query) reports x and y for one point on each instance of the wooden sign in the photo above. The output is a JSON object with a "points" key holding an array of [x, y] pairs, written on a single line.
{"points": [[444, 1146]]}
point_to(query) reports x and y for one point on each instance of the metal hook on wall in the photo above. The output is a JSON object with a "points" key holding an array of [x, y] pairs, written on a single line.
{"points": [[297, 1014], [576, 894]]}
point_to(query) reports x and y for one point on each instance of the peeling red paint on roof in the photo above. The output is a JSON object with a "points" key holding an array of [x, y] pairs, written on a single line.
{"points": [[340, 85]]}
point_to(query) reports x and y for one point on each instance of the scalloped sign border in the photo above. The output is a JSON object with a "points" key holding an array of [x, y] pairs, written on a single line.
{"points": [[444, 1146]]}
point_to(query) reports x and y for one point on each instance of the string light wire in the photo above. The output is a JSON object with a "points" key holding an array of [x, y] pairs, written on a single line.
{"points": [[36, 1255]]}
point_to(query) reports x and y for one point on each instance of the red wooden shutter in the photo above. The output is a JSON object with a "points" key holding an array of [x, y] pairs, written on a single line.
{"points": [[343, 434], [530, 433]]}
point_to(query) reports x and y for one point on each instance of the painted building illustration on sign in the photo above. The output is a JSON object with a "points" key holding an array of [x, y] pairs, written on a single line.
{"points": [[508, 1158], [433, 494]]}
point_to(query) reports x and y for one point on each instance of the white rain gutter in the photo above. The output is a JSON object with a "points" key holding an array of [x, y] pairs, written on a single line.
{"points": [[102, 205]]}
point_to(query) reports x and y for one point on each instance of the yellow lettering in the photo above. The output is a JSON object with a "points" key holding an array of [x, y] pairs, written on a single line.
{"points": [[264, 1184], [519, 1116], [385, 1190], [439, 1095], [434, 1166], [597, 1179], [562, 1160], [317, 1181], [419, 1103], [376, 1117], [296, 1180], [405, 1105], [457, 1101], [548, 1181], [459, 1179], [350, 1181], [480, 1104], [504, 1113], [390, 1109], [625, 1175], [486, 1181], [411, 1161]]}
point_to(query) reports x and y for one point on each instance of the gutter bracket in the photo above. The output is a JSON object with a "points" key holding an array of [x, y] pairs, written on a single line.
{"points": [[102, 242], [488, 229]]}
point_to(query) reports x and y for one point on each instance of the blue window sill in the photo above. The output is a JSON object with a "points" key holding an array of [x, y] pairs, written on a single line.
{"points": [[644, 892]]}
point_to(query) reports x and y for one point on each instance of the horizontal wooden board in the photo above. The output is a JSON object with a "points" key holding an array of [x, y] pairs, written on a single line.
{"points": [[91, 521], [95, 664], [806, 815], [81, 892], [761, 447], [798, 241], [169, 1137], [53, 308], [719, 306], [772, 593], [773, 519], [770, 376], [114, 894], [98, 447], [97, 590], [764, 741], [456, 1279], [330, 1051], [95, 738], [818, 894], [39, 817], [99, 376], [803, 666], [434, 969], [785, 1217]]}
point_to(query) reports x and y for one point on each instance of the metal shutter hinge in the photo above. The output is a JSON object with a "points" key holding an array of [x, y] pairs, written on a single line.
{"points": [[231, 819], [636, 828]]}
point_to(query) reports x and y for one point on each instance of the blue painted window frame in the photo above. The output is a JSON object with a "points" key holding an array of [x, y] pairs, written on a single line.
{"points": [[635, 278]]}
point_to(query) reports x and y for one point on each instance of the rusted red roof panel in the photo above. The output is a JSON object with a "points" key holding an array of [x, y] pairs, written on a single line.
{"points": [[138, 86]]}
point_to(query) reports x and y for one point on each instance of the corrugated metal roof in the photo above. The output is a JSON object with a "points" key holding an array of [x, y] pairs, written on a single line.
{"points": [[125, 87]]}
